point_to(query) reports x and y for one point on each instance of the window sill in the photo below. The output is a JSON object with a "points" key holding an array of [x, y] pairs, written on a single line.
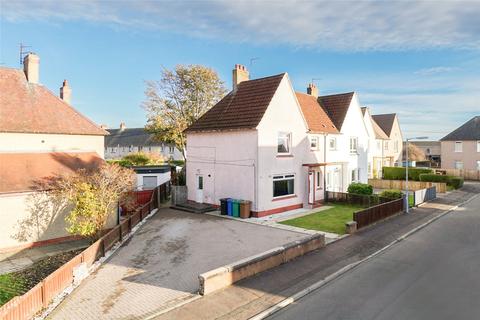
{"points": [[284, 197], [284, 155]]}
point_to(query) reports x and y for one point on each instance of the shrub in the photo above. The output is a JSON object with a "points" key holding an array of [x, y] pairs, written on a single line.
{"points": [[399, 173], [360, 188], [391, 194], [456, 182]]}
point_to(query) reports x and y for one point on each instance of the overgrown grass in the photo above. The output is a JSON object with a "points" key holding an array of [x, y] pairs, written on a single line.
{"points": [[331, 220]]}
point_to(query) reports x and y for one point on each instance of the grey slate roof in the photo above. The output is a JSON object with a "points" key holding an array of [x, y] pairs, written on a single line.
{"points": [[130, 137], [468, 131], [385, 121]]}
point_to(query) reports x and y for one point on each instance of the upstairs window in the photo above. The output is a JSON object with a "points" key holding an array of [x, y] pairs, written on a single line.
{"points": [[353, 144], [386, 145], [284, 142], [313, 143], [458, 146], [379, 145], [332, 144]]}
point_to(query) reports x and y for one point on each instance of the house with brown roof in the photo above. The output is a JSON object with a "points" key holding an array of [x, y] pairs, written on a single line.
{"points": [[461, 147], [278, 148], [41, 135]]}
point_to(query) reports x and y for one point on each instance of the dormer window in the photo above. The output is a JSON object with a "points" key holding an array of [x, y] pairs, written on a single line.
{"points": [[284, 142]]}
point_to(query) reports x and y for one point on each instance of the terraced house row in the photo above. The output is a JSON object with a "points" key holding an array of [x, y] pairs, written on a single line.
{"points": [[283, 149]]}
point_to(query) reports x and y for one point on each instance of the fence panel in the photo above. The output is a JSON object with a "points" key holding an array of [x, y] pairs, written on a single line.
{"points": [[111, 238], [59, 279], [431, 193], [466, 174], [92, 253], [125, 227], [23, 307], [373, 214]]}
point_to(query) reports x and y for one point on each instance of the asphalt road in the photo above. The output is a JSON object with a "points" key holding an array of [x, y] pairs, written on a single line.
{"points": [[433, 274]]}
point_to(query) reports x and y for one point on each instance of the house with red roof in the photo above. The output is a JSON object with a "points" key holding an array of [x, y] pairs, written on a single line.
{"points": [[278, 148], [41, 135]]}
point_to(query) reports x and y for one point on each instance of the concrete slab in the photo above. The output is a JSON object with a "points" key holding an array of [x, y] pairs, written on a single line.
{"points": [[160, 264]]}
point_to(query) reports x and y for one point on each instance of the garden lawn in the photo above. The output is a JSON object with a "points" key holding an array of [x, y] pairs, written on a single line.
{"points": [[331, 220]]}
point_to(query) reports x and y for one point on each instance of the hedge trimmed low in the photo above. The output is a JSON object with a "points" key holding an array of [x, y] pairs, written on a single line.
{"points": [[360, 188], [399, 173], [455, 182], [391, 194]]}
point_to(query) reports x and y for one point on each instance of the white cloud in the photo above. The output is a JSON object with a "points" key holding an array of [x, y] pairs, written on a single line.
{"points": [[434, 71], [340, 25]]}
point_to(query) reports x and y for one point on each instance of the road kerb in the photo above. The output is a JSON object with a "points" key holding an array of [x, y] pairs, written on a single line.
{"points": [[284, 303]]}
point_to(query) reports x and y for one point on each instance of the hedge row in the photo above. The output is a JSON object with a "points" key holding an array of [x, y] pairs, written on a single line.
{"points": [[455, 182], [391, 194], [360, 188], [399, 173]]}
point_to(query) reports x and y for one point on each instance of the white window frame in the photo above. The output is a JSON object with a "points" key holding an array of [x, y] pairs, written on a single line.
{"points": [[171, 149], [334, 140], [478, 146], [385, 146], [283, 177], [318, 175], [478, 165], [288, 136], [458, 164], [458, 144], [314, 140], [354, 149]]}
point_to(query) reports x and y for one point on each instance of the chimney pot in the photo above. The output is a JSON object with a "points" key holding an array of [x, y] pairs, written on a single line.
{"points": [[240, 74], [66, 92], [31, 66], [312, 90], [122, 126]]}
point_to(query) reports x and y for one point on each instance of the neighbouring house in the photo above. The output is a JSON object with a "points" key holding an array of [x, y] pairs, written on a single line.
{"points": [[280, 149], [376, 154], [41, 135], [431, 149], [461, 147], [123, 141], [393, 147]]}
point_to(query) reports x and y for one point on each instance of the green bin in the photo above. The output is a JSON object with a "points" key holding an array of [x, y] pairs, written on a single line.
{"points": [[236, 208]]}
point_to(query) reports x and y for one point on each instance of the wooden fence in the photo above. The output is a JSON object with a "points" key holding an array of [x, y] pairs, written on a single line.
{"points": [[465, 174], [401, 185], [376, 213], [356, 199], [27, 305]]}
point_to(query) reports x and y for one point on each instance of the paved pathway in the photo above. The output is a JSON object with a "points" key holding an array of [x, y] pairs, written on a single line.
{"points": [[159, 266], [431, 275], [253, 295], [21, 259]]}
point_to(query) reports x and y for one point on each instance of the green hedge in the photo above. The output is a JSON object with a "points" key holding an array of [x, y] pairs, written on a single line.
{"points": [[399, 173], [360, 188], [391, 194], [455, 182]]}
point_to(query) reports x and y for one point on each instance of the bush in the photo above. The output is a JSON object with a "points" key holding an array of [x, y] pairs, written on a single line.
{"points": [[391, 194], [455, 182], [399, 173], [360, 188]]}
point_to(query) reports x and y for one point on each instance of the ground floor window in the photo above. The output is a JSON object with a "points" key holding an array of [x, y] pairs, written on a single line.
{"points": [[478, 165], [283, 185], [458, 164], [318, 178]]}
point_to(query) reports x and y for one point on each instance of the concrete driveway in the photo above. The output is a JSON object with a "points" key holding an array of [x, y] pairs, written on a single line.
{"points": [[159, 266]]}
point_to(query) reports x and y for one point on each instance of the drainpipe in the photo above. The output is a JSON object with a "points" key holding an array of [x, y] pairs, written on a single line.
{"points": [[325, 166]]}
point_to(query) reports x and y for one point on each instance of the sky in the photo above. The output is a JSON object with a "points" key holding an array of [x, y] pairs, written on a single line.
{"points": [[417, 59]]}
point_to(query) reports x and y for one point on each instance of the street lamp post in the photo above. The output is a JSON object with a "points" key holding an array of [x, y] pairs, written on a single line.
{"points": [[406, 170]]}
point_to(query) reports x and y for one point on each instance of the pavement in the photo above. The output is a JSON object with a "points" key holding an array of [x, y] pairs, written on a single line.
{"points": [[20, 259], [251, 296], [433, 274], [159, 266]]}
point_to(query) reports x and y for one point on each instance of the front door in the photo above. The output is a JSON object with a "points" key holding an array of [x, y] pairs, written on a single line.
{"points": [[199, 194], [311, 187]]}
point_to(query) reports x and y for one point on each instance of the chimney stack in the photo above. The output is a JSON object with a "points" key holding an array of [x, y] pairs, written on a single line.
{"points": [[66, 92], [122, 126], [31, 66], [312, 90], [240, 74]]}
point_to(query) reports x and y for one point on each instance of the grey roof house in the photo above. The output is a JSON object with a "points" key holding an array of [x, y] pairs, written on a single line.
{"points": [[123, 141]]}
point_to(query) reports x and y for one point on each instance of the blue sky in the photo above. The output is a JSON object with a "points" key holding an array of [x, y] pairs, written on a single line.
{"points": [[419, 59]]}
